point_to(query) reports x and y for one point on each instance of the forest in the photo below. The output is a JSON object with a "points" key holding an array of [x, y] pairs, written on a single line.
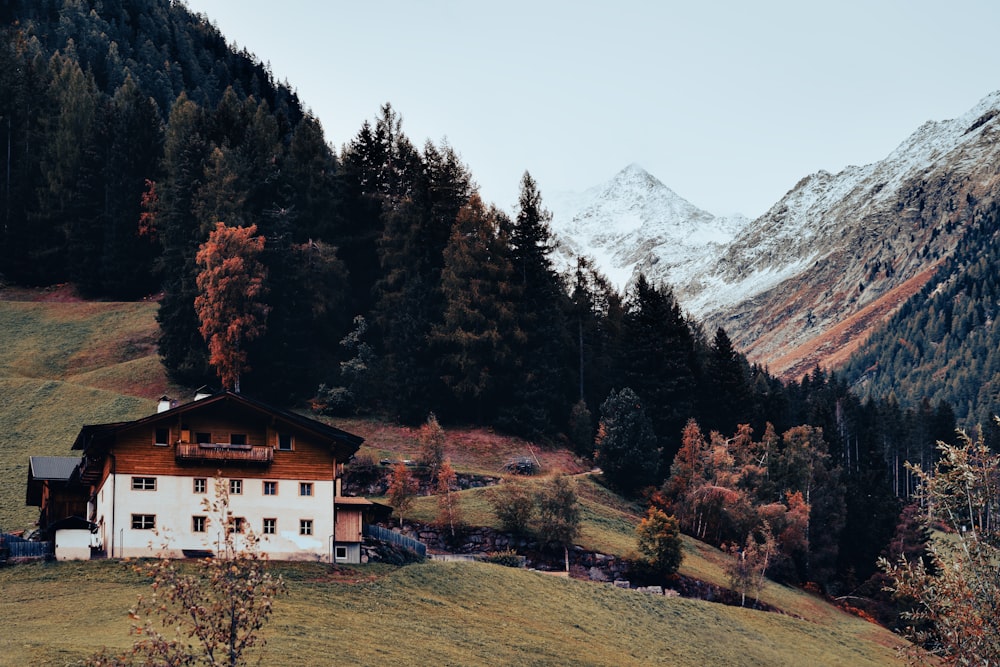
{"points": [[382, 284]]}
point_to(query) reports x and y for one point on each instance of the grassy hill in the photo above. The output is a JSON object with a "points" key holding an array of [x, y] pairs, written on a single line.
{"points": [[440, 613], [67, 363]]}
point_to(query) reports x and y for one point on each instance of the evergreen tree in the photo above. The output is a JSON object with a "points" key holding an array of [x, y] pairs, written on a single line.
{"points": [[658, 362], [186, 152], [727, 395], [539, 395], [478, 328], [626, 445]]}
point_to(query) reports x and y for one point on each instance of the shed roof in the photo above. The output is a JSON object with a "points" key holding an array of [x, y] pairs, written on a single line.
{"points": [[53, 467]]}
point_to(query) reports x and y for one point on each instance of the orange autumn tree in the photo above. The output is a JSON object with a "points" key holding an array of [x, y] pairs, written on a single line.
{"points": [[230, 302]]}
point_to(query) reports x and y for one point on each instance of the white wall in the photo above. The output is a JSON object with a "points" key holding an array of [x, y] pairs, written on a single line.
{"points": [[174, 503], [73, 544]]}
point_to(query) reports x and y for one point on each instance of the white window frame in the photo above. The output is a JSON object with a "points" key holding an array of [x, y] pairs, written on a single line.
{"points": [[273, 525], [143, 522], [306, 489], [305, 526], [273, 487], [236, 487], [200, 485]]}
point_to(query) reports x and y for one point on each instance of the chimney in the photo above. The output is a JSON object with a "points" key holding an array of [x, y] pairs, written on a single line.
{"points": [[164, 404]]}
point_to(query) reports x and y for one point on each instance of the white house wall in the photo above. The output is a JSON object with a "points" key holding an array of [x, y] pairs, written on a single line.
{"points": [[174, 504]]}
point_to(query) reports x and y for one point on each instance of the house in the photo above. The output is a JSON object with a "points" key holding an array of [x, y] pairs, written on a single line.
{"points": [[140, 487]]}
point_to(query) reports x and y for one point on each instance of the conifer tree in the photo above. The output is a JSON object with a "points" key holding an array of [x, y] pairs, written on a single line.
{"points": [[186, 150], [479, 327], [539, 395], [659, 360], [626, 445]]}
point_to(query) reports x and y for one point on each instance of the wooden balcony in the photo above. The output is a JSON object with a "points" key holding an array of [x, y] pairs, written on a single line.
{"points": [[189, 452]]}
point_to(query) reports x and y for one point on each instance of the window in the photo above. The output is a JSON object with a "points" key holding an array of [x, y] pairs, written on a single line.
{"points": [[305, 488], [162, 436], [305, 526], [198, 524], [143, 521], [340, 553], [270, 488], [238, 439], [203, 438], [200, 484], [235, 486], [144, 483], [270, 526], [285, 442], [237, 523]]}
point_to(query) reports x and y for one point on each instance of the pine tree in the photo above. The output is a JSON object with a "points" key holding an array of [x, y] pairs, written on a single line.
{"points": [[478, 329], [186, 151], [626, 445], [658, 359], [539, 395]]}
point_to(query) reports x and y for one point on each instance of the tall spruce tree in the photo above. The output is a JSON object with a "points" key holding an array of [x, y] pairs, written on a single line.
{"points": [[186, 152], [626, 446], [539, 394], [479, 326], [658, 359]]}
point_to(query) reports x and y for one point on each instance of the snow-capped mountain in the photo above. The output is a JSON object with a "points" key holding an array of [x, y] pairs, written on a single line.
{"points": [[633, 223], [805, 281]]}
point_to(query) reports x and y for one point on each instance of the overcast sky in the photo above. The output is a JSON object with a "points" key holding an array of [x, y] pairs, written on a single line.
{"points": [[729, 103]]}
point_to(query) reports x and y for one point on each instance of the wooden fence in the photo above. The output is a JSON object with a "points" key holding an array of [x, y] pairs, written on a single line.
{"points": [[12, 546], [392, 537]]}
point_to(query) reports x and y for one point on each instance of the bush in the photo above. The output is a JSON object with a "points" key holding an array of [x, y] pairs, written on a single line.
{"points": [[507, 558]]}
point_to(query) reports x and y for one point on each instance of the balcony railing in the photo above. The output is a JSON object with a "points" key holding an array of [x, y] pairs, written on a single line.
{"points": [[197, 452]]}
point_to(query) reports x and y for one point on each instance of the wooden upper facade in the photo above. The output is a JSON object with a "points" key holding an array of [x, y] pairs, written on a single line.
{"points": [[225, 432]]}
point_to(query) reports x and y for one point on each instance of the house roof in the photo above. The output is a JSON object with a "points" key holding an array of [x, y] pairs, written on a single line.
{"points": [[47, 468], [345, 443], [52, 467], [352, 500]]}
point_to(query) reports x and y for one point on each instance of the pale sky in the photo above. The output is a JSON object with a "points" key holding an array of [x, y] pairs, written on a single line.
{"points": [[729, 103]]}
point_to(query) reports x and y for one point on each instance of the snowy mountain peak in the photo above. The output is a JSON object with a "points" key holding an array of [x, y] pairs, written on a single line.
{"points": [[633, 220]]}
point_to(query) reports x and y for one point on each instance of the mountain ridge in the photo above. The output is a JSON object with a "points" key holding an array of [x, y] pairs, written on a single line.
{"points": [[832, 246]]}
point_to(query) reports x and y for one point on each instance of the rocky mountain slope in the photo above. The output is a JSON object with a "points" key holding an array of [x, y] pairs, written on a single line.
{"points": [[806, 281]]}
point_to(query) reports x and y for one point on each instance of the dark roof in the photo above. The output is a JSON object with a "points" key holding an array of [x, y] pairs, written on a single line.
{"points": [[52, 467], [348, 442]]}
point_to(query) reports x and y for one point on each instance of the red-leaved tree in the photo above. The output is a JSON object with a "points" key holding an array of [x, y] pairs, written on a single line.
{"points": [[230, 301]]}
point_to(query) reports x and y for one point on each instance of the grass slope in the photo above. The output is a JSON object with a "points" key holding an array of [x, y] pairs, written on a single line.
{"points": [[439, 613], [63, 365]]}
